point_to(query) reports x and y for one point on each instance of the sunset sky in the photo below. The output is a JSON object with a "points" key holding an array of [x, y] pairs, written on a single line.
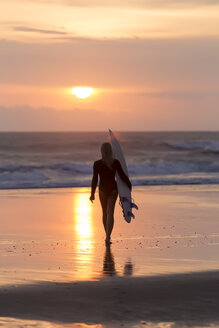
{"points": [[153, 65]]}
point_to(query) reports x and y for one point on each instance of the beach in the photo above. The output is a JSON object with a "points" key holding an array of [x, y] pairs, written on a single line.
{"points": [[160, 271], [120, 96]]}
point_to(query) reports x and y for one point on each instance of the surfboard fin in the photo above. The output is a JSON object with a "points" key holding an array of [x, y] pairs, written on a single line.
{"points": [[130, 214], [133, 205]]}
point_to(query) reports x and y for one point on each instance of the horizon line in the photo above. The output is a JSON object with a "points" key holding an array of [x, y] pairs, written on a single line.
{"points": [[103, 131]]}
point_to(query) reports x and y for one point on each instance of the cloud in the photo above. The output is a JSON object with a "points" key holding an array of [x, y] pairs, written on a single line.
{"points": [[181, 95], [170, 116], [26, 118], [38, 30], [144, 4], [188, 68], [183, 64]]}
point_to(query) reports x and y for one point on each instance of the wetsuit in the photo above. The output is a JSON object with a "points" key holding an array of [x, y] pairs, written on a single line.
{"points": [[107, 177]]}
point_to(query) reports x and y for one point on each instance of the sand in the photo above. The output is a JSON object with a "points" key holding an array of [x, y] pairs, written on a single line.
{"points": [[189, 299], [162, 270]]}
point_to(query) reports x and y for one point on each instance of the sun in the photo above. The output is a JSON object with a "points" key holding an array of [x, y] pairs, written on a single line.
{"points": [[82, 92]]}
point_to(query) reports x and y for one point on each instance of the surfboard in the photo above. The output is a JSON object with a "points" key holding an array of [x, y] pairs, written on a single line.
{"points": [[123, 190]]}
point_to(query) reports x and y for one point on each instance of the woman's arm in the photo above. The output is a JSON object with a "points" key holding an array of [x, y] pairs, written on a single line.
{"points": [[94, 181], [122, 175]]}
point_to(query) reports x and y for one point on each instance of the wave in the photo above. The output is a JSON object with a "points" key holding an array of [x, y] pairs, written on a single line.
{"points": [[80, 174], [201, 145], [147, 167], [175, 180], [38, 182], [72, 167], [166, 167]]}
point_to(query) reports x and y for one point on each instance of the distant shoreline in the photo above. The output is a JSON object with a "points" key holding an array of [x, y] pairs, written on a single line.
{"points": [[120, 131]]}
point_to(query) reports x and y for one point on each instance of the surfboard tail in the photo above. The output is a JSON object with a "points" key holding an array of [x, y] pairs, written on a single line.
{"points": [[130, 214], [133, 205]]}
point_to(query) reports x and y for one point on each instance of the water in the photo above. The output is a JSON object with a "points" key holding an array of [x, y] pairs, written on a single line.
{"points": [[46, 160]]}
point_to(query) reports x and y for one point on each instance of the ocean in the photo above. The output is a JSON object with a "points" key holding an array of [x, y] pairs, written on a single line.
{"points": [[60, 159]]}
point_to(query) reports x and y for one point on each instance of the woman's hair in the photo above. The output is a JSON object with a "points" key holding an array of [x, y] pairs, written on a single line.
{"points": [[107, 154]]}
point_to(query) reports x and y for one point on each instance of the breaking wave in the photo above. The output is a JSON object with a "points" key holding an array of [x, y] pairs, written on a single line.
{"points": [[79, 175], [201, 145]]}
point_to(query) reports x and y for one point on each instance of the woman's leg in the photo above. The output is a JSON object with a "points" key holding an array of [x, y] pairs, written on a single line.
{"points": [[111, 201], [103, 202]]}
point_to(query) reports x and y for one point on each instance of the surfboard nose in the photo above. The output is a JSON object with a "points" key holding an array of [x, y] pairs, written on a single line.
{"points": [[111, 134]]}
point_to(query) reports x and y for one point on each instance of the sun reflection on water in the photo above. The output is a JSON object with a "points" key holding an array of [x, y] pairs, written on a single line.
{"points": [[83, 227], [83, 215], [15, 322]]}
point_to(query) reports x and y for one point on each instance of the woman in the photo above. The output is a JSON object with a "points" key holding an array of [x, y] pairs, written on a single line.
{"points": [[106, 168]]}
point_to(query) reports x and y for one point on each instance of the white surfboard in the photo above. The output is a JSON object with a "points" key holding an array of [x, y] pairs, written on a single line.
{"points": [[123, 189]]}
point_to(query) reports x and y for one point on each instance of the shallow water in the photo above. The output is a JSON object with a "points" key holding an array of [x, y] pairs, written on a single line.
{"points": [[57, 235], [15, 323]]}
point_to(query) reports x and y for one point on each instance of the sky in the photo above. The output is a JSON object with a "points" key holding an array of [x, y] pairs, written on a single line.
{"points": [[153, 65]]}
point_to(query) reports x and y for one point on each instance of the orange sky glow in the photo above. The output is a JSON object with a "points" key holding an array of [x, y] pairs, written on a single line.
{"points": [[153, 65]]}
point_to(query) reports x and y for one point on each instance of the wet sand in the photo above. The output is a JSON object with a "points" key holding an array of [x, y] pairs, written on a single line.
{"points": [[189, 299], [162, 269]]}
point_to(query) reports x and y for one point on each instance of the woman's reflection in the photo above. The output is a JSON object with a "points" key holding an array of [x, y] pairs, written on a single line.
{"points": [[128, 268], [109, 265]]}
